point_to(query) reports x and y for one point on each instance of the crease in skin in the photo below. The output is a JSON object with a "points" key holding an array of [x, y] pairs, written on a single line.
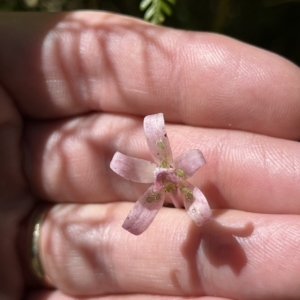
{"points": [[74, 68], [285, 236], [30, 60], [276, 247], [225, 257], [54, 295], [268, 252], [238, 172]]}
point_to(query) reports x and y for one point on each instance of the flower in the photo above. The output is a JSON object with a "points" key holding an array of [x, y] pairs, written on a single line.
{"points": [[167, 175]]}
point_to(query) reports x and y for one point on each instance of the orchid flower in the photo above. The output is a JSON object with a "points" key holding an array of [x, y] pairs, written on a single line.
{"points": [[167, 175]]}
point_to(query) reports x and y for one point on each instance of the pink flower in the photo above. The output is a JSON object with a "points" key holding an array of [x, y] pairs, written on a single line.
{"points": [[167, 175]]}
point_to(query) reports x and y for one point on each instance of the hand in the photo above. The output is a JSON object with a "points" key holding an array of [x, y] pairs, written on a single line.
{"points": [[74, 90]]}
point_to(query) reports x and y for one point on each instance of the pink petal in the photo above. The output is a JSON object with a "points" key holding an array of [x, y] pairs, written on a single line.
{"points": [[157, 139], [131, 168], [175, 199], [189, 162], [144, 211], [196, 204]]}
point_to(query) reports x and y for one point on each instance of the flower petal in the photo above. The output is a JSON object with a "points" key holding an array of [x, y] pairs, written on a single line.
{"points": [[175, 199], [157, 139], [144, 211], [131, 168], [196, 204], [188, 163]]}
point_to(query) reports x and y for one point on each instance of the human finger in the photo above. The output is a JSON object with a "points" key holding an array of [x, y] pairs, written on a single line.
{"points": [[68, 161], [57, 295], [85, 61], [239, 255]]}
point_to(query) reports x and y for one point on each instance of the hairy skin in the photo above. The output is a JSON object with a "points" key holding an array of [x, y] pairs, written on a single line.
{"points": [[74, 89]]}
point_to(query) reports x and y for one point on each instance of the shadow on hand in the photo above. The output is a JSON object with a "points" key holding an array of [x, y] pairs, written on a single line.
{"points": [[220, 247], [73, 231]]}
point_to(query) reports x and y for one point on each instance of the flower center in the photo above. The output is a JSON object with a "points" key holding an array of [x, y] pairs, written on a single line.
{"points": [[166, 179]]}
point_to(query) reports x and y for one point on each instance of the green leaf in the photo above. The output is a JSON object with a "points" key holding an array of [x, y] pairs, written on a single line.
{"points": [[144, 4], [156, 9], [166, 8], [149, 13]]}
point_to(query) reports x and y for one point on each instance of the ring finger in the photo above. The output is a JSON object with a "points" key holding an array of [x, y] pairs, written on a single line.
{"points": [[239, 255]]}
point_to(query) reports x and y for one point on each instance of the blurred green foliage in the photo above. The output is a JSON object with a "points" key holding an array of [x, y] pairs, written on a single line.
{"points": [[270, 24], [155, 10]]}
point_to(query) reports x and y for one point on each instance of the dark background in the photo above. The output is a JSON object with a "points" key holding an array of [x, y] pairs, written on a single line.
{"points": [[270, 24]]}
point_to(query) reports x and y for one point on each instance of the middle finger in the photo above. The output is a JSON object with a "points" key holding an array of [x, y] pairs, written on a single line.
{"points": [[68, 161]]}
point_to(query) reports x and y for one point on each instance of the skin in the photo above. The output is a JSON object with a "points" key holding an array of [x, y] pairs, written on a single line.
{"points": [[74, 89]]}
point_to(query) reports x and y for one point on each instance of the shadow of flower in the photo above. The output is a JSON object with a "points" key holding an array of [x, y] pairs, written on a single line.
{"points": [[220, 246]]}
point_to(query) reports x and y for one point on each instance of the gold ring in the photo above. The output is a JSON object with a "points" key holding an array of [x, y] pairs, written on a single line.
{"points": [[34, 254]]}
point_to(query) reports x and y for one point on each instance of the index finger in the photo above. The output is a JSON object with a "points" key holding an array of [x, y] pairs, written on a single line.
{"points": [[65, 64]]}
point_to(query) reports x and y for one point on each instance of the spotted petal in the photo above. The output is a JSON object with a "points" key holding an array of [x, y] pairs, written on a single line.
{"points": [[144, 211], [188, 163], [131, 168], [196, 204], [157, 139]]}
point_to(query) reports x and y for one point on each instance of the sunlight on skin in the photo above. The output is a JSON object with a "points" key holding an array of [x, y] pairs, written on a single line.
{"points": [[96, 61], [81, 83], [77, 260]]}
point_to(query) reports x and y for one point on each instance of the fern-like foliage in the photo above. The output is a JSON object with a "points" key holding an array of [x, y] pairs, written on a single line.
{"points": [[155, 10]]}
